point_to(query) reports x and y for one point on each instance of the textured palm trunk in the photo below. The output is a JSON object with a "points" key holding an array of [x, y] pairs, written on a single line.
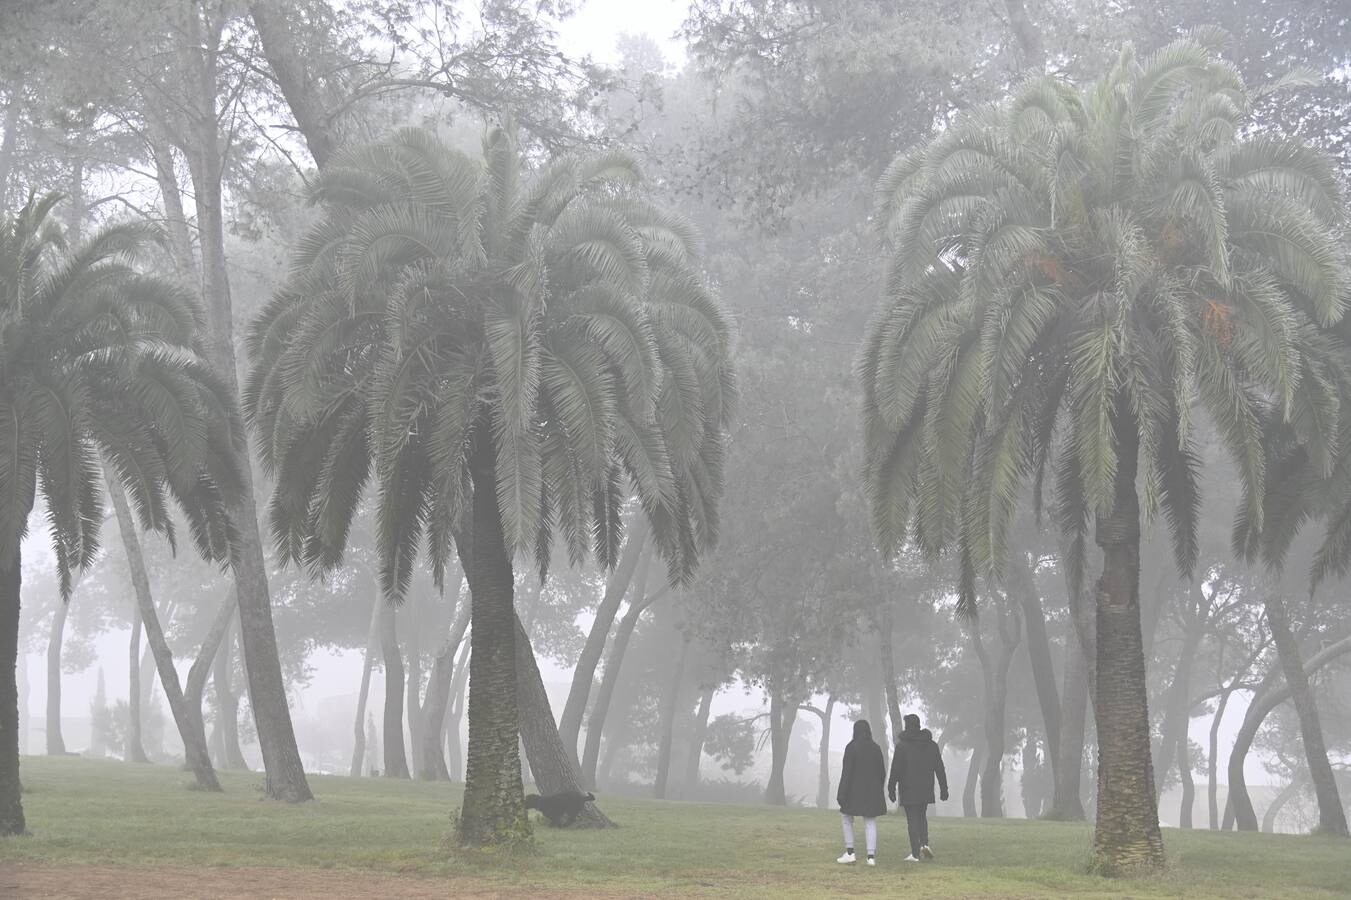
{"points": [[135, 749], [56, 745], [584, 675], [364, 692], [396, 760], [11, 801], [782, 716], [698, 732], [1331, 816], [494, 809], [191, 729], [550, 762], [433, 766], [666, 739], [1126, 835], [284, 773], [1067, 803]]}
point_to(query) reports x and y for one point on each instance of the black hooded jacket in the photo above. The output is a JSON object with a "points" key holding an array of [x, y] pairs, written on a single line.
{"points": [[913, 769], [862, 779]]}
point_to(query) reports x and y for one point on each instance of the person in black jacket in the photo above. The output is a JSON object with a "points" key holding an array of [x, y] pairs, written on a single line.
{"points": [[860, 791], [913, 769]]}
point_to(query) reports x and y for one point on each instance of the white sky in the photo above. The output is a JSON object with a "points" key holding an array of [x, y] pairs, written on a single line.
{"points": [[599, 23]]}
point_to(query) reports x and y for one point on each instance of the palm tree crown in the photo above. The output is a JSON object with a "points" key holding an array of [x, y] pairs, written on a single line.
{"points": [[98, 358], [442, 295], [1078, 269]]}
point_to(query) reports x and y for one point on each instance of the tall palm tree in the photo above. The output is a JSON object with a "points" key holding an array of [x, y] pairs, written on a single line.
{"points": [[1075, 276], [508, 358], [97, 359]]}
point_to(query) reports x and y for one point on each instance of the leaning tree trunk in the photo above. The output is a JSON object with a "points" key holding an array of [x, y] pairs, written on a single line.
{"points": [[666, 733], [969, 786], [11, 803], [134, 750], [189, 721], [584, 674], [396, 760], [1278, 803], [550, 762], [367, 663], [782, 717], [1331, 816], [284, 773], [1068, 804], [1127, 832], [56, 745], [433, 766], [494, 808]]}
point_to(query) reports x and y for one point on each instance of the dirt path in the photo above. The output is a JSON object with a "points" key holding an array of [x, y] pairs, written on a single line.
{"points": [[29, 882]]}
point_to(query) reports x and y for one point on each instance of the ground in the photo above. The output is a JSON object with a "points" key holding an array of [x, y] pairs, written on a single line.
{"points": [[109, 830]]}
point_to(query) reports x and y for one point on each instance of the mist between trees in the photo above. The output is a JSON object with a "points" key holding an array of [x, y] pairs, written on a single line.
{"points": [[987, 362]]}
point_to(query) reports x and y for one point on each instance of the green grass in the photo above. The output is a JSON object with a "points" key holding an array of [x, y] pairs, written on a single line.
{"points": [[83, 812]]}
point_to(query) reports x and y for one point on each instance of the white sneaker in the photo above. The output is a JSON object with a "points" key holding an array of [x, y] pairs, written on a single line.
{"points": [[845, 858], [925, 852], [910, 858], [872, 861]]}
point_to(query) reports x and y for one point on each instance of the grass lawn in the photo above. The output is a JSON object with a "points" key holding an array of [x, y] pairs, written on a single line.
{"points": [[108, 817]]}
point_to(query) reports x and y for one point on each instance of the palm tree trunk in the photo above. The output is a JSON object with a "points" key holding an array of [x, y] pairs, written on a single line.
{"points": [[190, 726], [284, 773], [1067, 804], [433, 766], [56, 746], [135, 749], [669, 704], [494, 809], [584, 675], [973, 767], [698, 731], [550, 762], [1127, 832], [11, 802], [396, 760], [1331, 816]]}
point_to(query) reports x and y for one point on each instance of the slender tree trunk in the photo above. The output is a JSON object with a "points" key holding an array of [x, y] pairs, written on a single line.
{"points": [[284, 773], [669, 704], [875, 703], [973, 768], [413, 681], [438, 697], [1127, 833], [367, 663], [191, 729], [1278, 803], [1178, 705], [56, 746], [1331, 815], [698, 732], [21, 669], [135, 749], [171, 195], [11, 801], [584, 675], [1067, 804], [885, 627], [227, 704], [550, 762], [1212, 762], [454, 748], [996, 672], [8, 144], [494, 809], [1184, 767], [396, 760], [1024, 585], [782, 717], [823, 753]]}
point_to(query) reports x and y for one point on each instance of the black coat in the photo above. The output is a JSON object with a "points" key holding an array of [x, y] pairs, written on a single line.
{"points": [[913, 769], [862, 779]]}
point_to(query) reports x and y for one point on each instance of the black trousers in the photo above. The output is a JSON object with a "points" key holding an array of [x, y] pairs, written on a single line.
{"points": [[917, 817]]}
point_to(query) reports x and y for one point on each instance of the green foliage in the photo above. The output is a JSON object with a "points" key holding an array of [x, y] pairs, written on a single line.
{"points": [[440, 295], [1075, 268], [100, 360]]}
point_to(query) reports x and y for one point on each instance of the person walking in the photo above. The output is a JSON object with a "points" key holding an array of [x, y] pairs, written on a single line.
{"points": [[916, 764], [860, 791]]}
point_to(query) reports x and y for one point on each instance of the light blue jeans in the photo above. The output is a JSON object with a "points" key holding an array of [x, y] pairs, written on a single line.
{"points": [[869, 829]]}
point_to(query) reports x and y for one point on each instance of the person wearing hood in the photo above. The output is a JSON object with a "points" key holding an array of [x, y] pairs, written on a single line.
{"points": [[916, 764], [860, 792]]}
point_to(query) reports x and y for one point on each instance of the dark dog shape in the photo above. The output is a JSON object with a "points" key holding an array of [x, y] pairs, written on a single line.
{"points": [[560, 809]]}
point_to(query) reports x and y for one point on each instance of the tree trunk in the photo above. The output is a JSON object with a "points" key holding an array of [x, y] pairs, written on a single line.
{"points": [[1027, 34], [1023, 583], [1176, 715], [1068, 804], [284, 774], [298, 86], [669, 704], [364, 692], [11, 801], [171, 195], [584, 675], [8, 144], [823, 763], [56, 746], [21, 668], [1331, 816], [875, 704], [1184, 767], [782, 717], [1212, 762], [134, 750], [454, 748], [396, 760], [413, 681], [494, 809], [996, 673], [550, 762], [433, 766], [1278, 803], [1127, 832], [698, 732], [189, 721], [227, 705], [973, 767], [886, 650]]}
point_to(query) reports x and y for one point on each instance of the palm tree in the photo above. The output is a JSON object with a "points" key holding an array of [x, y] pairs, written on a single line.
{"points": [[1075, 276], [508, 358], [97, 359]]}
